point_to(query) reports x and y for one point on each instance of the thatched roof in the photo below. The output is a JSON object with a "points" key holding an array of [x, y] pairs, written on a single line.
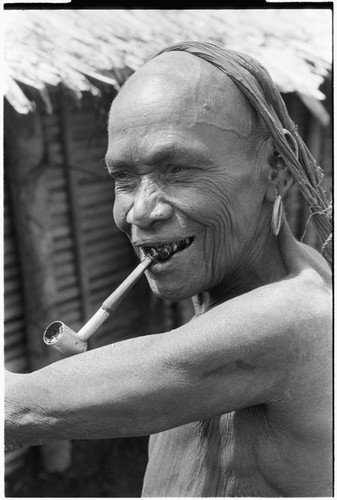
{"points": [[79, 47]]}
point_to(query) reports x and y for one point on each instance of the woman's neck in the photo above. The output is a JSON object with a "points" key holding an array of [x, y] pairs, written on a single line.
{"points": [[267, 263]]}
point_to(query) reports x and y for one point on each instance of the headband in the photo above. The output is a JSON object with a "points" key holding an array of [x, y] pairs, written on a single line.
{"points": [[256, 84]]}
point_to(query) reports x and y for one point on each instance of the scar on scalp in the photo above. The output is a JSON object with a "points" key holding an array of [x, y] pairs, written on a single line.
{"points": [[245, 366]]}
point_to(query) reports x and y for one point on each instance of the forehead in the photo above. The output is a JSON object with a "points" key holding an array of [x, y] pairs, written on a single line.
{"points": [[177, 91]]}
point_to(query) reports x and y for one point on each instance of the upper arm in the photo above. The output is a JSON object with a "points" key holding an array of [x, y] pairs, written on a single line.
{"points": [[241, 353]]}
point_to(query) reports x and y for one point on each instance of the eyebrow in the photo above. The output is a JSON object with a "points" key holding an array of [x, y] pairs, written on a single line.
{"points": [[115, 165], [161, 153]]}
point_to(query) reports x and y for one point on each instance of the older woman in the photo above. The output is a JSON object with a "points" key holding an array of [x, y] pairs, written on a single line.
{"points": [[238, 401]]}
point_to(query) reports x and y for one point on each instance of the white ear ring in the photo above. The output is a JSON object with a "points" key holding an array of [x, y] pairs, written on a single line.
{"points": [[276, 219], [291, 139]]}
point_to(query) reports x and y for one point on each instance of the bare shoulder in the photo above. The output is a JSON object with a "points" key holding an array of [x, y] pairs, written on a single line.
{"points": [[315, 260], [310, 289], [303, 406], [308, 292], [307, 289]]}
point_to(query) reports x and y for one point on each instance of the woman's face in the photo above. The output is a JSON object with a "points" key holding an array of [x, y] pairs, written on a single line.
{"points": [[185, 177]]}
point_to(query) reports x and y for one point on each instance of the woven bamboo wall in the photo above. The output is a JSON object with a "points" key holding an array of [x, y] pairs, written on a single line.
{"points": [[15, 340]]}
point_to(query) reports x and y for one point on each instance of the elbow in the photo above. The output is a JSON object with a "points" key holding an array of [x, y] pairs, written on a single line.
{"points": [[24, 424]]}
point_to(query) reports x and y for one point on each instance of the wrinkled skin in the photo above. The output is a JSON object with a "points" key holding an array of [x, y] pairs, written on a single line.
{"points": [[238, 401], [185, 165]]}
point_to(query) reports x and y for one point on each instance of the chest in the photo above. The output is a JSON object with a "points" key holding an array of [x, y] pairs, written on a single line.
{"points": [[216, 457]]}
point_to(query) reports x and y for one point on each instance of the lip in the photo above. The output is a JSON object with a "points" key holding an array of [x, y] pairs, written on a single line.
{"points": [[161, 241], [162, 265]]}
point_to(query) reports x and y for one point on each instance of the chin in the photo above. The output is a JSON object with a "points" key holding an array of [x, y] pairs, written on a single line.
{"points": [[172, 291]]}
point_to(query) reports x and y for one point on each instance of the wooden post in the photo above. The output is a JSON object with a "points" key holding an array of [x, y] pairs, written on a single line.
{"points": [[29, 187]]}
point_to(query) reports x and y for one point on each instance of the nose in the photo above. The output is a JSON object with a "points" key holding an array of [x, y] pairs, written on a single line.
{"points": [[149, 206]]}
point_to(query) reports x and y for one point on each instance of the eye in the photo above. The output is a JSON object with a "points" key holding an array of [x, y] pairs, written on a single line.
{"points": [[123, 179], [178, 170], [175, 169], [121, 176]]}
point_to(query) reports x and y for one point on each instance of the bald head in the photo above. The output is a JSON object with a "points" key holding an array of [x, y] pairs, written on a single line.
{"points": [[181, 81]]}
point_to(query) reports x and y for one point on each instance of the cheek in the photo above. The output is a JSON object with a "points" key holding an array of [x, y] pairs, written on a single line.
{"points": [[211, 209], [228, 204], [220, 226], [219, 208], [214, 209]]}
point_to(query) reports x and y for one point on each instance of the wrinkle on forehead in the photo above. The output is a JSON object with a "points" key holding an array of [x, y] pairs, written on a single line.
{"points": [[199, 92]]}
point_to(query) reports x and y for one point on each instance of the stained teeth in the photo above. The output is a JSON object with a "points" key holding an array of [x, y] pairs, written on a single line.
{"points": [[165, 250], [165, 253]]}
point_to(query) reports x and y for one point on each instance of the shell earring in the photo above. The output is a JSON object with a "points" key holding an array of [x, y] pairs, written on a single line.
{"points": [[276, 219]]}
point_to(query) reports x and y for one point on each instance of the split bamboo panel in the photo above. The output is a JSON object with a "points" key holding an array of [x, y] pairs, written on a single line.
{"points": [[62, 243], [99, 208], [116, 259], [63, 270], [104, 245], [102, 220], [107, 253], [15, 336], [58, 201], [58, 182], [14, 460], [98, 233], [63, 257], [15, 352], [95, 190], [105, 282], [68, 300], [66, 282], [69, 307], [60, 231], [11, 271], [14, 319]]}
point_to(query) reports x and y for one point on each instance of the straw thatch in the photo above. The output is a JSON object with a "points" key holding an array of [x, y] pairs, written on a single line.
{"points": [[80, 47]]}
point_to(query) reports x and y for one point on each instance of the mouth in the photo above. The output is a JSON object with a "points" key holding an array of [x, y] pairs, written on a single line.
{"points": [[163, 251]]}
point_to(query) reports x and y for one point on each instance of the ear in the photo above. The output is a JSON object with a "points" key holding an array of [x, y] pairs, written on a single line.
{"points": [[280, 179]]}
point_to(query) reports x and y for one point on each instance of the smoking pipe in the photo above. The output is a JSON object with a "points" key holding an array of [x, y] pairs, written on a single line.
{"points": [[68, 342]]}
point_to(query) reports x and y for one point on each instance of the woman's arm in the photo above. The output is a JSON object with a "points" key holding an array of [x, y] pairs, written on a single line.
{"points": [[238, 354]]}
